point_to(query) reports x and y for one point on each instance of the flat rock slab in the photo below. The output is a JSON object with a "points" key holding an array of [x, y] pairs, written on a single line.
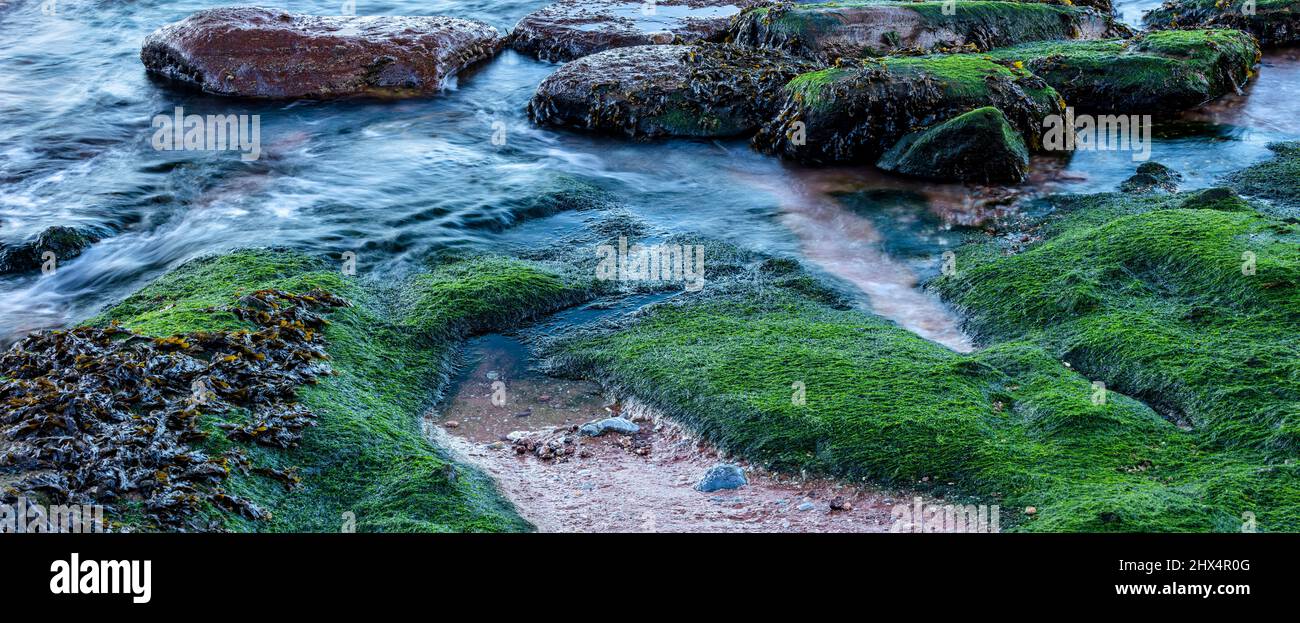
{"points": [[254, 52], [667, 90], [863, 29], [1275, 22], [1154, 72], [575, 28], [854, 113]]}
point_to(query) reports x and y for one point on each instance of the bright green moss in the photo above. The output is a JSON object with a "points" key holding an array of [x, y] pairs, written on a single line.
{"points": [[1276, 180], [391, 350]]}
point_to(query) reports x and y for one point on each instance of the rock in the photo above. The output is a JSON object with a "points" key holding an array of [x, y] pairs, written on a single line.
{"points": [[722, 476], [609, 425], [1030, 510], [451, 424], [572, 29], [524, 413], [699, 90], [805, 507], [840, 504], [1150, 177], [857, 112], [1275, 22], [255, 52], [1153, 72], [493, 375], [64, 242], [978, 146], [862, 29]]}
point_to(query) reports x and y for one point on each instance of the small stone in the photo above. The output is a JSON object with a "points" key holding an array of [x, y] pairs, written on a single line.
{"points": [[841, 504], [722, 476], [806, 506], [451, 424], [493, 375], [1031, 510], [609, 424], [524, 413]]}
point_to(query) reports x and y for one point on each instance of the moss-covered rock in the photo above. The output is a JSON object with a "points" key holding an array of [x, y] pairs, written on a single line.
{"points": [[1274, 22], [859, 29], [797, 383], [669, 90], [390, 351], [1151, 177], [1188, 302], [64, 242], [1276, 180], [853, 113], [978, 146], [1153, 72]]}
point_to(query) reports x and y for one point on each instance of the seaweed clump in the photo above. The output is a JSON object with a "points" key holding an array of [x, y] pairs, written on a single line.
{"points": [[102, 414]]}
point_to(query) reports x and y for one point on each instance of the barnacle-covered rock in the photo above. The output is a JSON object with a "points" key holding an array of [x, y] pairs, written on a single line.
{"points": [[571, 29], [872, 28], [98, 414], [854, 113], [669, 90], [255, 52]]}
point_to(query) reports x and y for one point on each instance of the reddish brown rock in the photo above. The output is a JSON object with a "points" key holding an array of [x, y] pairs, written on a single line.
{"points": [[571, 29], [254, 52]]}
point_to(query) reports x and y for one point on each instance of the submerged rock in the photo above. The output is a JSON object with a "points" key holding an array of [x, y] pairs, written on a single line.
{"points": [[609, 425], [255, 52], [856, 113], [978, 146], [64, 242], [722, 476], [1151, 177], [858, 29], [698, 90], [571, 29], [1273, 22], [1159, 71]]}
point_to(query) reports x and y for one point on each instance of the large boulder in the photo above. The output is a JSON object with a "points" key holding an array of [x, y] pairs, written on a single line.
{"points": [[1274, 22], [667, 90], [571, 29], [255, 52], [1158, 71], [858, 29], [854, 113], [978, 146]]}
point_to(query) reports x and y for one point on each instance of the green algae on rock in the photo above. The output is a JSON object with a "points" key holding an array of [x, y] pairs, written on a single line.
{"points": [[365, 465], [1153, 72], [667, 90], [1276, 181], [859, 29], [978, 146], [1274, 22], [853, 113], [1010, 424]]}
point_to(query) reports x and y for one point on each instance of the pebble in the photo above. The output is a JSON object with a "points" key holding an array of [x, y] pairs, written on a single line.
{"points": [[722, 476]]}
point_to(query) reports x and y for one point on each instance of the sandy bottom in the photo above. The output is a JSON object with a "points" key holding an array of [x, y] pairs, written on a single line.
{"points": [[622, 483]]}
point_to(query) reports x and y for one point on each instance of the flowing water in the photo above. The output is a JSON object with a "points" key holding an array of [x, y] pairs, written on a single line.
{"points": [[392, 180]]}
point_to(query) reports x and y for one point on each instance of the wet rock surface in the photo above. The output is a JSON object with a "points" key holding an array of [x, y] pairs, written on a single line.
{"points": [[1274, 22], [1156, 72], [1152, 177], [978, 146], [609, 425], [574, 28], [64, 242], [255, 52], [722, 476], [698, 90], [834, 30], [103, 415], [855, 113]]}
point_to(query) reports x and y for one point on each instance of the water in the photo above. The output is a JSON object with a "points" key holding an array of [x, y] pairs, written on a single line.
{"points": [[393, 180]]}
